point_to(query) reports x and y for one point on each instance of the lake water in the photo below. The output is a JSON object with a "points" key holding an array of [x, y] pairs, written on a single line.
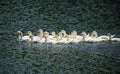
{"points": [[85, 58]]}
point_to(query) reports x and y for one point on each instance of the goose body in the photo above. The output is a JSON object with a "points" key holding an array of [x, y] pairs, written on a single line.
{"points": [[77, 39], [111, 38], [92, 38], [115, 39], [96, 38], [33, 38], [21, 37]]}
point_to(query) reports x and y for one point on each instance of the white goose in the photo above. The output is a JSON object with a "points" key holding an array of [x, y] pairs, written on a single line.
{"points": [[53, 34], [94, 34], [33, 38], [89, 39], [64, 33], [49, 39], [75, 38], [21, 37], [111, 38], [65, 37], [95, 38], [73, 34], [106, 37], [85, 37]]}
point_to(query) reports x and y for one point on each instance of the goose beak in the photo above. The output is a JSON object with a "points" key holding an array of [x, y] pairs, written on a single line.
{"points": [[17, 33]]}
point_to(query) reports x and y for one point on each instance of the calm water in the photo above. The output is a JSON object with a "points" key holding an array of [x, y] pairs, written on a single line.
{"points": [[86, 58]]}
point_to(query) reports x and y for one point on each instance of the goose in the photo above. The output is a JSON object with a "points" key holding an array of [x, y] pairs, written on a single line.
{"points": [[21, 37], [49, 39], [106, 37], [64, 33], [40, 33], [94, 34], [73, 34], [88, 38], [53, 34], [111, 38], [95, 38], [76, 39], [33, 38]]}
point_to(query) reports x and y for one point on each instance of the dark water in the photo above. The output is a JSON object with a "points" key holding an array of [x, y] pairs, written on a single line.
{"points": [[86, 58]]}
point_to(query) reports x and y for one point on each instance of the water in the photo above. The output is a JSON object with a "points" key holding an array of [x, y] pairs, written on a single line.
{"points": [[59, 59], [69, 58]]}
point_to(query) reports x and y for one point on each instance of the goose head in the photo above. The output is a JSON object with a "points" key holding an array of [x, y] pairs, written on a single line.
{"points": [[63, 31], [18, 32], [94, 34], [29, 33], [20, 35], [40, 31], [53, 33], [46, 34], [73, 34]]}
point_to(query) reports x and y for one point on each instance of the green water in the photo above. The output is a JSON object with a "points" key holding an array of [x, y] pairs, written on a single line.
{"points": [[52, 15]]}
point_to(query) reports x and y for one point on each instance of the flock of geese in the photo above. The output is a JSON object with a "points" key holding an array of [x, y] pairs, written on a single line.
{"points": [[63, 37]]}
